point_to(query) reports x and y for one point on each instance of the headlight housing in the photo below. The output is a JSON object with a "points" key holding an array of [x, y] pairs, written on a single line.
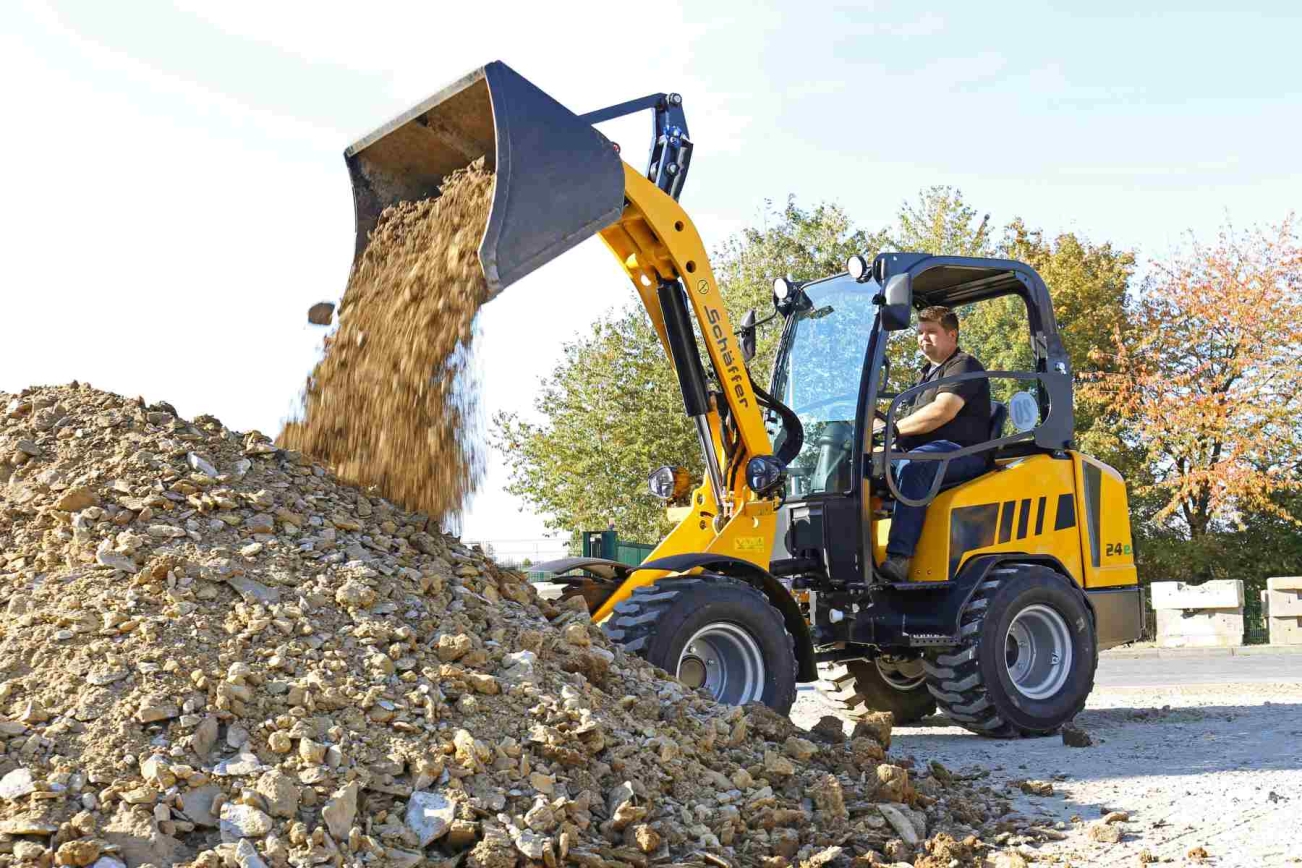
{"points": [[857, 266], [784, 294], [783, 288], [670, 483], [765, 474]]}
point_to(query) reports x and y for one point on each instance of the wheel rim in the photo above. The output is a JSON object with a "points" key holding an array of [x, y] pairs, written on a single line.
{"points": [[725, 659], [1037, 652], [902, 675]]}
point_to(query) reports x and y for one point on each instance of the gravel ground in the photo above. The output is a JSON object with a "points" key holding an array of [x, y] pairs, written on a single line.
{"points": [[1206, 765]]}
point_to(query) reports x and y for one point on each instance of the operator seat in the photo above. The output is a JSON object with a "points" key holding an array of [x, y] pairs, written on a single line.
{"points": [[998, 416]]}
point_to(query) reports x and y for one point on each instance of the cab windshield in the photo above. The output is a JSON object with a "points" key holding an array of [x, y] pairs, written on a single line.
{"points": [[817, 375]]}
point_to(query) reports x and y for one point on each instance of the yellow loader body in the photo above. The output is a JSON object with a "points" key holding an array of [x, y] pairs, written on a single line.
{"points": [[1073, 509]]}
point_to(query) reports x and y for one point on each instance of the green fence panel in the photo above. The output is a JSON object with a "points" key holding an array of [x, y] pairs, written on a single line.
{"points": [[1255, 631], [632, 553]]}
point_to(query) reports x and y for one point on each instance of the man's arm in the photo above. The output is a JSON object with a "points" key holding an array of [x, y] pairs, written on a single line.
{"points": [[932, 416]]}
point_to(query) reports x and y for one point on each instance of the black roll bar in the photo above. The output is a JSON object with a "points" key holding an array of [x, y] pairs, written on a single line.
{"points": [[888, 456]]}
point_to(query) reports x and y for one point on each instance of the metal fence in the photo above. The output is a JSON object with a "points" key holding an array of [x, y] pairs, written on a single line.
{"points": [[1255, 631]]}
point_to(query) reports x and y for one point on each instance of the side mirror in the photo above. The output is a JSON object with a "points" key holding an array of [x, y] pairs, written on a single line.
{"points": [[747, 333], [897, 302]]}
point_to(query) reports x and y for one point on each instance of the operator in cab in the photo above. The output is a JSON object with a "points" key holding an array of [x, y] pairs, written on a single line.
{"points": [[940, 419]]}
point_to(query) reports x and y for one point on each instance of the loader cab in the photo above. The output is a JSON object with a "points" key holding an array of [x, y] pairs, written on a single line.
{"points": [[848, 355]]}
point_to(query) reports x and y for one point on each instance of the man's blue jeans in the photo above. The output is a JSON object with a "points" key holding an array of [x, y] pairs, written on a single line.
{"points": [[914, 478]]}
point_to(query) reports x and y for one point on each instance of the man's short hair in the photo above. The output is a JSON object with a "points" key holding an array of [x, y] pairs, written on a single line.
{"points": [[947, 319]]}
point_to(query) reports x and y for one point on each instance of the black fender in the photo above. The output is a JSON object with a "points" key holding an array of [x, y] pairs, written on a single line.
{"points": [[921, 614], [602, 568], [761, 580], [1049, 561], [1122, 620]]}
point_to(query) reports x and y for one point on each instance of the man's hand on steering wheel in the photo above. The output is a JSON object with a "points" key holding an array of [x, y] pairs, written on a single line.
{"points": [[879, 425]]}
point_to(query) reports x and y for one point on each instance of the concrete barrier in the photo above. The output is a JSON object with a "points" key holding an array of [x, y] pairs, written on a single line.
{"points": [[1209, 615], [1283, 608]]}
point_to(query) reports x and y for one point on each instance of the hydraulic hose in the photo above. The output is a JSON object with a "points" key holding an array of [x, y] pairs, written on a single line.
{"points": [[795, 438]]}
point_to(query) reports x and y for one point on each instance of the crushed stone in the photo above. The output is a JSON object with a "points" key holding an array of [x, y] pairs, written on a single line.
{"points": [[294, 672]]}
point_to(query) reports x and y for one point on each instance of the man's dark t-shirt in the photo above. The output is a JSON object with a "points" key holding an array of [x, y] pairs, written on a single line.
{"points": [[972, 424]]}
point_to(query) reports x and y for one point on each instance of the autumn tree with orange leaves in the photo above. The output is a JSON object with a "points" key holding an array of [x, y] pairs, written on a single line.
{"points": [[1206, 382]]}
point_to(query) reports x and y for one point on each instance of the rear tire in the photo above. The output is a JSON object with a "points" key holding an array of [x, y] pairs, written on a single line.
{"points": [[1027, 659], [712, 632], [857, 687]]}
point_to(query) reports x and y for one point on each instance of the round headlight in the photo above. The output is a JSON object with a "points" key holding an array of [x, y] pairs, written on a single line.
{"points": [[858, 267], [661, 481], [764, 473], [782, 288]]}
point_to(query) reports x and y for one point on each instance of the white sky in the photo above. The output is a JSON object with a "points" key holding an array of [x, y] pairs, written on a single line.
{"points": [[176, 196]]}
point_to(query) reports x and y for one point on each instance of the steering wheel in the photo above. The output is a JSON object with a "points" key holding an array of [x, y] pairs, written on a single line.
{"points": [[851, 398]]}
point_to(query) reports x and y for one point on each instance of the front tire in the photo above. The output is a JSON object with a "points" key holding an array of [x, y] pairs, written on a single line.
{"points": [[1027, 659], [857, 687], [711, 632]]}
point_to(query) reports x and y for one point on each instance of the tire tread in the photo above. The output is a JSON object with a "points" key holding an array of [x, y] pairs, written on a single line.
{"points": [[635, 619], [954, 677]]}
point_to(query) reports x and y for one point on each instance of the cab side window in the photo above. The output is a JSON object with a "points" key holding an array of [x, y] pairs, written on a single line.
{"points": [[997, 331]]}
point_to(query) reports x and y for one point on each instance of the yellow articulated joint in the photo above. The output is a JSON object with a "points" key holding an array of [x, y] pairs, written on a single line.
{"points": [[748, 535]]}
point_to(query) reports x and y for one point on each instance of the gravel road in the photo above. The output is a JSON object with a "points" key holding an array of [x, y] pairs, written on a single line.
{"points": [[1217, 766]]}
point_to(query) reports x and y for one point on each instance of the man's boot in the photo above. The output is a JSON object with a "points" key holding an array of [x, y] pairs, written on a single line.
{"points": [[895, 569]]}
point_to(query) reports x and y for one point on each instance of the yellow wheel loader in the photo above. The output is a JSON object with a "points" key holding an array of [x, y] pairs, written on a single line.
{"points": [[771, 575]]}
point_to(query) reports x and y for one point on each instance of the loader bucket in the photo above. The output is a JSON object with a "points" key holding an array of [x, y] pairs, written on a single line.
{"points": [[558, 180]]}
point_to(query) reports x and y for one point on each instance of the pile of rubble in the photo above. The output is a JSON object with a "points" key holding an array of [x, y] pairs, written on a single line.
{"points": [[214, 653]]}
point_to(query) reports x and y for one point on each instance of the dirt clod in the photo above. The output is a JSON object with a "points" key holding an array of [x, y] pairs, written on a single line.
{"points": [[1105, 833], [321, 313], [1035, 788], [1074, 736]]}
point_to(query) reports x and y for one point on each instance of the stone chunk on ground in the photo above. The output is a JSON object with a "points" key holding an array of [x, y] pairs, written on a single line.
{"points": [[1074, 736]]}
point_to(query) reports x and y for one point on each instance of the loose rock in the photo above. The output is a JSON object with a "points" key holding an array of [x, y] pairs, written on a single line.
{"points": [[341, 810], [354, 686], [1074, 736], [429, 816], [243, 821]]}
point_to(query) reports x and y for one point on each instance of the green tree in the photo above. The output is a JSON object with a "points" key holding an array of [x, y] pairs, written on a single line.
{"points": [[940, 223], [796, 243], [1088, 284], [1267, 545], [611, 411]]}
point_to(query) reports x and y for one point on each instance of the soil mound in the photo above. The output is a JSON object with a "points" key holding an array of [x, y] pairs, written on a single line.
{"points": [[213, 652]]}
